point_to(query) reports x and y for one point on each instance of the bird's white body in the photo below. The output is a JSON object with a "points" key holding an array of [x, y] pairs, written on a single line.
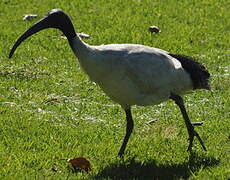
{"points": [[132, 74]]}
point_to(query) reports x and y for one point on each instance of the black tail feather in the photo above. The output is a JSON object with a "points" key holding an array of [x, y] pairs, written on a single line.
{"points": [[198, 73]]}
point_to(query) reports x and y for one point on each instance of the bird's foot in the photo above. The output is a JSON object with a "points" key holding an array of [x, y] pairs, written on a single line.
{"points": [[121, 151], [192, 134]]}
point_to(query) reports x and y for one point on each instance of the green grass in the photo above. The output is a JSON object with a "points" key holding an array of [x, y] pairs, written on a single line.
{"points": [[50, 110]]}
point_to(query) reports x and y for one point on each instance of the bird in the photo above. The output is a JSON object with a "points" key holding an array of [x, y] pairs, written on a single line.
{"points": [[131, 74]]}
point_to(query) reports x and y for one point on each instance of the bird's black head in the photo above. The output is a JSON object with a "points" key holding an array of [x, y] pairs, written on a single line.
{"points": [[56, 18]]}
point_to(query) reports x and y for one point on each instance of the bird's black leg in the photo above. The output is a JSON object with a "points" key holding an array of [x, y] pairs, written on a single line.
{"points": [[190, 127], [129, 129]]}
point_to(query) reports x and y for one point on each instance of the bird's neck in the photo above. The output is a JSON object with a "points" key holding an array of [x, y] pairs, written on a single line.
{"points": [[84, 53], [80, 48]]}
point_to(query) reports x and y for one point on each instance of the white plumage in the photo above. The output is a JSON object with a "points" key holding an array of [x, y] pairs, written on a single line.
{"points": [[131, 74]]}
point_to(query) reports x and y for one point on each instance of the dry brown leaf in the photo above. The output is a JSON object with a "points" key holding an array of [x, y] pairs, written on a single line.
{"points": [[80, 163]]}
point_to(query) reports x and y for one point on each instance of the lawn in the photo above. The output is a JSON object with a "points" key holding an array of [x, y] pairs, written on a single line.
{"points": [[49, 109]]}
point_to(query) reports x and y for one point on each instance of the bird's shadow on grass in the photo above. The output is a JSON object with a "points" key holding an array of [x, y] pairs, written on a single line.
{"points": [[151, 170]]}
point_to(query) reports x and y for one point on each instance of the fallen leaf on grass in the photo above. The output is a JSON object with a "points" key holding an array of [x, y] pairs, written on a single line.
{"points": [[154, 29], [84, 35], [55, 170], [152, 121], [29, 17], [79, 163], [197, 123]]}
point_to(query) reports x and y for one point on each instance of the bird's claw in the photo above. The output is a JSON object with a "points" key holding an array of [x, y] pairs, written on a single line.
{"points": [[121, 154], [193, 133]]}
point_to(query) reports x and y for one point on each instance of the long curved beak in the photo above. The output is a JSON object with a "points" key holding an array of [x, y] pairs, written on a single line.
{"points": [[42, 24], [56, 18]]}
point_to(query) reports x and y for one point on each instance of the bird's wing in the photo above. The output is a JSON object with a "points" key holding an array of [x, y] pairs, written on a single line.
{"points": [[151, 69]]}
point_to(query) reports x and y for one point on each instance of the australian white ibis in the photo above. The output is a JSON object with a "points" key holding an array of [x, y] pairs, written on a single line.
{"points": [[131, 74]]}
